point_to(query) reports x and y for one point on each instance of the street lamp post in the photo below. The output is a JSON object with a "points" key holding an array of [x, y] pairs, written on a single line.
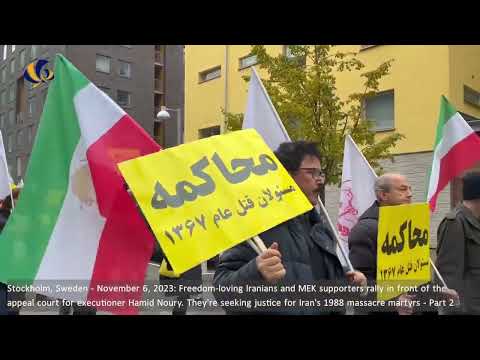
{"points": [[163, 115]]}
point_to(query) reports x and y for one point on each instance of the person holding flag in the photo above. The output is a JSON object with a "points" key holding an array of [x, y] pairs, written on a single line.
{"points": [[301, 250], [457, 150]]}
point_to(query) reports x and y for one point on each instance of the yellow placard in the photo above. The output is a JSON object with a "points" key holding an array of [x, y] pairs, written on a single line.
{"points": [[165, 271], [207, 196], [403, 249]]}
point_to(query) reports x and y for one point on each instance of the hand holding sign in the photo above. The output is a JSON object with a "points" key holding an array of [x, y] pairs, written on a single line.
{"points": [[209, 195], [270, 266], [356, 278], [402, 249]]}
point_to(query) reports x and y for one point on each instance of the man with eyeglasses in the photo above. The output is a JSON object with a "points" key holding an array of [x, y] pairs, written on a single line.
{"points": [[301, 250], [390, 190]]}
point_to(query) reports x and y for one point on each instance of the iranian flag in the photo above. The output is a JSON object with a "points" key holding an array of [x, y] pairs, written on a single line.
{"points": [[75, 224], [457, 148]]}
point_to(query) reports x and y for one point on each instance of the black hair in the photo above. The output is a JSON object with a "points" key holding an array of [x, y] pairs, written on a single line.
{"points": [[471, 185], [291, 154]]}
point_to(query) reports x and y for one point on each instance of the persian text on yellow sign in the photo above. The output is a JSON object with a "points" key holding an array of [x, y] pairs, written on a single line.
{"points": [[204, 197]]}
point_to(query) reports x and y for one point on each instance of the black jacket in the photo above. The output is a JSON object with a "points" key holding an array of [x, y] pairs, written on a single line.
{"points": [[458, 257], [308, 254], [362, 242]]}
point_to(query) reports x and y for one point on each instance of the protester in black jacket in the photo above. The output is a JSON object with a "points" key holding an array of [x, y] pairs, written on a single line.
{"points": [[391, 190], [300, 250]]}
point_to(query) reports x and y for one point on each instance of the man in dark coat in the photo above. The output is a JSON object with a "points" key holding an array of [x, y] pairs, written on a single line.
{"points": [[391, 190], [458, 252], [300, 250]]}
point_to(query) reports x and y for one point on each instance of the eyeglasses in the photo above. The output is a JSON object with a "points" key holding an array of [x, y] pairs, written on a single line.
{"points": [[315, 172]]}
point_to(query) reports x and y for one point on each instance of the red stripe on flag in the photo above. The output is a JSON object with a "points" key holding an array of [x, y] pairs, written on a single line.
{"points": [[124, 141], [462, 156], [126, 244]]}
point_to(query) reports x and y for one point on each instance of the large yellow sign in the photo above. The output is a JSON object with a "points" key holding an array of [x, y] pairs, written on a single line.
{"points": [[403, 251], [207, 196]]}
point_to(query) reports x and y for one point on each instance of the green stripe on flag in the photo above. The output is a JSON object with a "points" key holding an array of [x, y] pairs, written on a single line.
{"points": [[446, 112], [26, 236]]}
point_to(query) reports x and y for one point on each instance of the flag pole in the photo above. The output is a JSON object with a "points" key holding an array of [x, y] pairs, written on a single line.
{"points": [[438, 274], [254, 246]]}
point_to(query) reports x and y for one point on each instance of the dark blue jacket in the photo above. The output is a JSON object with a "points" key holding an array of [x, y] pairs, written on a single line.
{"points": [[308, 253]]}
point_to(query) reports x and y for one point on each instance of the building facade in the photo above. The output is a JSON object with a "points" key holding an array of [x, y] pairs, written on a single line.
{"points": [[136, 77], [408, 101]]}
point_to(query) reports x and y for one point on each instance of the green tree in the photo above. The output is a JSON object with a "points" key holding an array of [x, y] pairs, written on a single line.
{"points": [[302, 87]]}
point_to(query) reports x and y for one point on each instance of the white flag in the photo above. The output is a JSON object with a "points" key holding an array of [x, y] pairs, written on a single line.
{"points": [[357, 193], [5, 178], [262, 116]]}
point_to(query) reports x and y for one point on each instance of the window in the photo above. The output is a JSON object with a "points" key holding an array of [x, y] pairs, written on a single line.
{"points": [[10, 143], [247, 61], [31, 106], [210, 74], [4, 75], [103, 64], [20, 138], [123, 98], [12, 66], [2, 121], [5, 52], [159, 132], [3, 98], [20, 117], [13, 48], [19, 166], [30, 134], [159, 54], [104, 89], [124, 69], [11, 117], [380, 110], [22, 58], [471, 96], [207, 132], [34, 51], [11, 96]]}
